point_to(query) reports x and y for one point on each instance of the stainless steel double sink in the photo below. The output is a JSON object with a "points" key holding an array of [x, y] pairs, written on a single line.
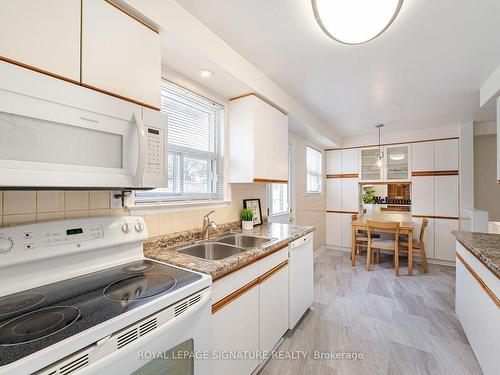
{"points": [[224, 247]]}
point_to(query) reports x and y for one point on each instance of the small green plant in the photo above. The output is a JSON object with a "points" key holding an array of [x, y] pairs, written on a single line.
{"points": [[369, 197], [246, 214]]}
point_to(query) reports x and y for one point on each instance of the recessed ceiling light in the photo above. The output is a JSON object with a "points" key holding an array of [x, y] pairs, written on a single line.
{"points": [[205, 73], [355, 21]]}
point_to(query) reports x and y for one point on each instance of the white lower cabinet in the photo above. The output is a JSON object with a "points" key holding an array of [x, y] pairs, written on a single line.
{"points": [[333, 228], [273, 309], [422, 197], [235, 328], [350, 194], [346, 232], [334, 194], [444, 241]]}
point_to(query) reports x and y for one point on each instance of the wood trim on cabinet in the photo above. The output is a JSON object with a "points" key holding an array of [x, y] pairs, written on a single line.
{"points": [[272, 271], [480, 281], [234, 295], [435, 173], [261, 98], [384, 182], [436, 217], [112, 3], [269, 181], [252, 261], [38, 70], [119, 96], [341, 212], [393, 144], [239, 292], [343, 175]]}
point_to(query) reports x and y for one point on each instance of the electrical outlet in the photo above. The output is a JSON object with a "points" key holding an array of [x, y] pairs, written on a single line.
{"points": [[116, 203]]}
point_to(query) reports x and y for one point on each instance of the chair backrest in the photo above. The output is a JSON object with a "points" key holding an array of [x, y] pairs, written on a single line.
{"points": [[384, 227], [364, 210], [354, 217], [424, 224]]}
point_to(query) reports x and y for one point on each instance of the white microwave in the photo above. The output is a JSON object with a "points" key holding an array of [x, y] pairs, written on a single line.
{"points": [[55, 134]]}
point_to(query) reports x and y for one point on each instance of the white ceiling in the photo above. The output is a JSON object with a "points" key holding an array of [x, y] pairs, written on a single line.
{"points": [[424, 71]]}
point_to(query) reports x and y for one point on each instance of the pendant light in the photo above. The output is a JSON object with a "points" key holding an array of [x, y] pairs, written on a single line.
{"points": [[379, 156], [355, 21]]}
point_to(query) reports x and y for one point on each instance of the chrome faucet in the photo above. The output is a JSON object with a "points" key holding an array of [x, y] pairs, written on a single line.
{"points": [[207, 225]]}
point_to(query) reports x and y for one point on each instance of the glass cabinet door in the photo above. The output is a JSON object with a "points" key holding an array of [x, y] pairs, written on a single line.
{"points": [[397, 163], [370, 169]]}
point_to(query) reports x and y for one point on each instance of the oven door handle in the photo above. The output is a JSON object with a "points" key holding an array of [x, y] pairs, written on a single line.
{"points": [[141, 152]]}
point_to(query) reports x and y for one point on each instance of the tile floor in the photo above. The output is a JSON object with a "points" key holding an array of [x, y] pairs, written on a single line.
{"points": [[403, 325]]}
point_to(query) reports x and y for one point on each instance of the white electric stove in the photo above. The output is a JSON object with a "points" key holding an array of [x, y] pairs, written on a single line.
{"points": [[78, 297]]}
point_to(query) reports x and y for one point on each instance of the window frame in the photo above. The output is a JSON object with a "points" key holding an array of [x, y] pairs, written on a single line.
{"points": [[320, 175], [217, 164]]}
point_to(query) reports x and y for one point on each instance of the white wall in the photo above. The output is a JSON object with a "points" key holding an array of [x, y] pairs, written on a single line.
{"points": [[486, 188]]}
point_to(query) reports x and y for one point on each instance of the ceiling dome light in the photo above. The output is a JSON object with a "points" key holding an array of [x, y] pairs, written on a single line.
{"points": [[205, 73], [355, 21]]}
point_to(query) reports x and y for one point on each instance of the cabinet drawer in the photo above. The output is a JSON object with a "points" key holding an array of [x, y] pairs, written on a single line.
{"points": [[271, 261], [234, 281]]}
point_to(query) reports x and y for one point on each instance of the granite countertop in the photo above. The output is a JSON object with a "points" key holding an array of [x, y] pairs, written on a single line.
{"points": [[164, 248], [484, 246]]}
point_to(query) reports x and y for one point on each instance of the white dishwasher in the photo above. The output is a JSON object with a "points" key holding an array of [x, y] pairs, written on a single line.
{"points": [[300, 278]]}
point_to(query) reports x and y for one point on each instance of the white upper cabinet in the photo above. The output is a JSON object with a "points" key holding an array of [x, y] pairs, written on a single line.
{"points": [[120, 55], [446, 196], [334, 162], [350, 161], [446, 155], [280, 148], [258, 142], [397, 163], [43, 34], [422, 157], [370, 170]]}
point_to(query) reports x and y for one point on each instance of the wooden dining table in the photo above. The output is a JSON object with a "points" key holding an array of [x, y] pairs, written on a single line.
{"points": [[406, 227]]}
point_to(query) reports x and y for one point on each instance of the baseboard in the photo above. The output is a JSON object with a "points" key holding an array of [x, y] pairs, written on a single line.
{"points": [[339, 248], [441, 262]]}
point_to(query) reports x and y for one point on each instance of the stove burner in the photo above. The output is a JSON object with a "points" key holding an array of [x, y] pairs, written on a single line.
{"points": [[18, 303], [138, 267], [139, 287], [37, 324]]}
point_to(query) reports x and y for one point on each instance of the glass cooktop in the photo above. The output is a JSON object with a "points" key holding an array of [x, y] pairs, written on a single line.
{"points": [[37, 318]]}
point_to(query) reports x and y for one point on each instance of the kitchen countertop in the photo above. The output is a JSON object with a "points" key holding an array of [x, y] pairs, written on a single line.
{"points": [[484, 246], [163, 248]]}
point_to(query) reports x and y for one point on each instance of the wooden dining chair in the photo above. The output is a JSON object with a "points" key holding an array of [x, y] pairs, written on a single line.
{"points": [[418, 244], [391, 228], [361, 237]]}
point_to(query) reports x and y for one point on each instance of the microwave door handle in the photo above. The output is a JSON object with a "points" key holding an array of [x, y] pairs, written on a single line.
{"points": [[141, 156]]}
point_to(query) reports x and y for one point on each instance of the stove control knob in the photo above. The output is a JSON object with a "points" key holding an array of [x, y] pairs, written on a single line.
{"points": [[126, 228], [6, 245], [139, 227]]}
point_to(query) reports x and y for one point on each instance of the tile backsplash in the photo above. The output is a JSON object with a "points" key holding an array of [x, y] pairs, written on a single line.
{"points": [[20, 207]]}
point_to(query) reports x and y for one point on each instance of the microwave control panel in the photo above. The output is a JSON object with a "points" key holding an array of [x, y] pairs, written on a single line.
{"points": [[156, 149]]}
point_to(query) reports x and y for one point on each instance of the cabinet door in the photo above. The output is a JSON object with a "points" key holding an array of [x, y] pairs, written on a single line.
{"points": [[333, 229], [422, 156], [350, 194], [397, 165], [446, 155], [346, 235], [334, 162], [263, 122], [370, 170], [334, 194], [446, 196], [350, 161], [444, 241], [273, 309], [235, 328], [120, 55], [422, 195], [280, 145], [44, 34]]}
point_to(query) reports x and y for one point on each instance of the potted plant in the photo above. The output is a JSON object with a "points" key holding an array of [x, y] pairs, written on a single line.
{"points": [[246, 219], [369, 199]]}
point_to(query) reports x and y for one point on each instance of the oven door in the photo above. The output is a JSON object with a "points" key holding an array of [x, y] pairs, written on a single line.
{"points": [[181, 346], [49, 144]]}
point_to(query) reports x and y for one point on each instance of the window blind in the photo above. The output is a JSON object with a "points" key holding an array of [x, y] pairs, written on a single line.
{"points": [[314, 172], [195, 147]]}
